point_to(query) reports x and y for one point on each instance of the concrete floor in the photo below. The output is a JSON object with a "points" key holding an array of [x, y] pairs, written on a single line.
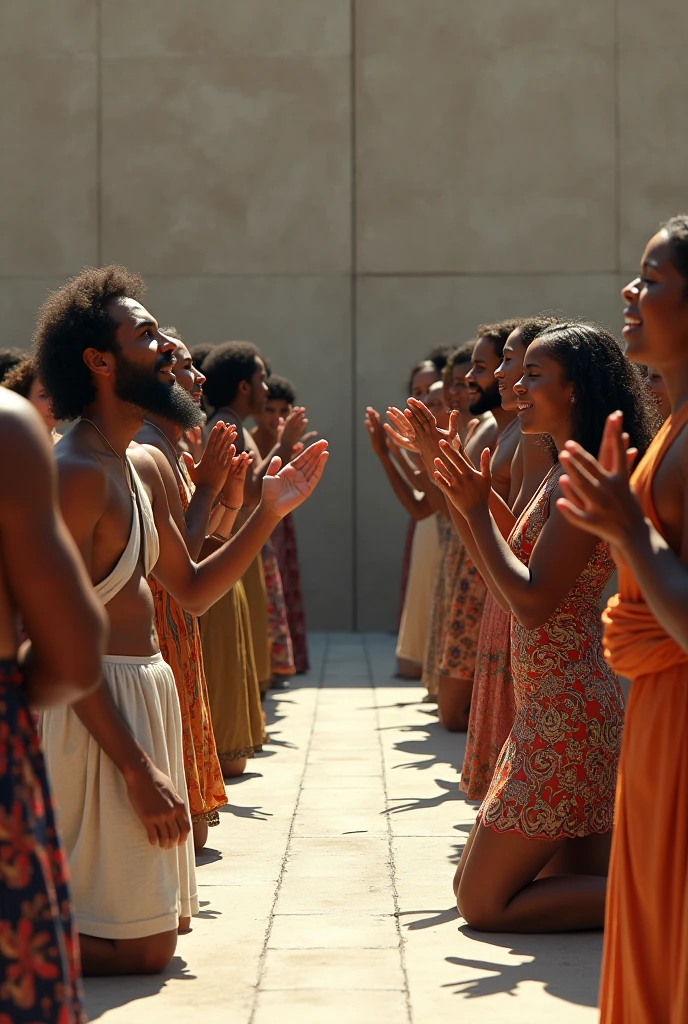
{"points": [[326, 890]]}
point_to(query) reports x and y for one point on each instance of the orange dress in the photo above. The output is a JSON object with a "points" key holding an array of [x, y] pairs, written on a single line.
{"points": [[645, 963], [556, 774], [492, 702], [180, 646]]}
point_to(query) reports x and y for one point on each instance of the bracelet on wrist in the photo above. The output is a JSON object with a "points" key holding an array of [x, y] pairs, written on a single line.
{"points": [[218, 536], [230, 508]]}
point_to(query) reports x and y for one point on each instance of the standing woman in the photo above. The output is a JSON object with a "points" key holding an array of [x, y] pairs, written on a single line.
{"points": [[537, 857]]}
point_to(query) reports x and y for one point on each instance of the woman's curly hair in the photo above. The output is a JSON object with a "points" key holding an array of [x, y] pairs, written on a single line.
{"points": [[604, 380], [72, 319], [21, 377]]}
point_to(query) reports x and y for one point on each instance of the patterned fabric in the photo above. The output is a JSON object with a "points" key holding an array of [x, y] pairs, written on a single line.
{"points": [[465, 615], [492, 702], [556, 775], [39, 947], [451, 550], [180, 645], [284, 539], [281, 650], [406, 568]]}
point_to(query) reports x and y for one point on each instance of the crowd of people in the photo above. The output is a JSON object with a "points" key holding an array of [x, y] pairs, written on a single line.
{"points": [[150, 596], [535, 461]]}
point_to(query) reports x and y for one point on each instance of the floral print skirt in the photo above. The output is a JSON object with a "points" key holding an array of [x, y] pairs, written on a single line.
{"points": [[39, 948]]}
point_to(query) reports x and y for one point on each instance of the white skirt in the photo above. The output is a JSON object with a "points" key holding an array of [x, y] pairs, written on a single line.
{"points": [[122, 887], [415, 617]]}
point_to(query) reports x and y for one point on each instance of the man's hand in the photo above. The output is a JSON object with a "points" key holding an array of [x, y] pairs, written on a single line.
{"points": [[292, 429], [232, 493], [598, 497], [467, 488], [287, 488], [376, 432], [194, 441], [159, 806], [211, 471], [399, 430]]}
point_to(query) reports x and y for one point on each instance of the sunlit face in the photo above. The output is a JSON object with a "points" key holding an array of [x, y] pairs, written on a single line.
{"points": [[656, 312], [140, 341], [259, 388], [543, 396], [483, 387], [39, 399], [423, 380], [186, 374], [274, 409], [658, 390], [435, 402], [457, 392], [510, 370]]}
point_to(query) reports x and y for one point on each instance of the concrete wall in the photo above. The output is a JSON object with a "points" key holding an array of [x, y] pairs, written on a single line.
{"points": [[346, 183]]}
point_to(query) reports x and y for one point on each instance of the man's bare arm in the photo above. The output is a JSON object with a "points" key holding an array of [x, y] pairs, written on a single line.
{"points": [[63, 618], [198, 586]]}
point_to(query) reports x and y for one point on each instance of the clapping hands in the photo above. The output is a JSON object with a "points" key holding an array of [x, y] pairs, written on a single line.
{"points": [[285, 488]]}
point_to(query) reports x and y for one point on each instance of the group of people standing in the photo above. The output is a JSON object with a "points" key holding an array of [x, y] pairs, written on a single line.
{"points": [[545, 467], [150, 595]]}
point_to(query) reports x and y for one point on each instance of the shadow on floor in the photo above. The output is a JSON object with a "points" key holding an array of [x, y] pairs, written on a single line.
{"points": [[449, 791], [437, 917], [103, 994], [255, 813], [568, 966]]}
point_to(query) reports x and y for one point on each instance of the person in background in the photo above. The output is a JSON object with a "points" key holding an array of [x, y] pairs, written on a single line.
{"points": [[23, 380]]}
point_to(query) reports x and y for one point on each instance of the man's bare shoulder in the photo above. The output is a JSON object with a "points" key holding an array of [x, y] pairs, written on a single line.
{"points": [[80, 470], [25, 449]]}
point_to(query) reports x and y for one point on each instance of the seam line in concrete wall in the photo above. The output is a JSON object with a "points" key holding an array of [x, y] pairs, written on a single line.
{"points": [[99, 133], [354, 328]]}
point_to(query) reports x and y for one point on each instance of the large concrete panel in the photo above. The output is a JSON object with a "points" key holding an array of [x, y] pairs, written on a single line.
{"points": [[399, 320], [47, 26], [233, 163], [302, 324], [20, 298], [653, 145], [301, 27], [48, 129], [485, 136]]}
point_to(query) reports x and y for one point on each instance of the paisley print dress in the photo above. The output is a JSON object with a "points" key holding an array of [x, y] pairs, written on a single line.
{"points": [[556, 774], [451, 550]]}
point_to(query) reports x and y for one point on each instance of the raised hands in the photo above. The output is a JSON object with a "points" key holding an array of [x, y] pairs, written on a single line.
{"points": [[376, 432], [597, 494], [232, 493], [194, 441], [400, 431], [466, 487], [211, 471], [417, 431], [286, 488]]}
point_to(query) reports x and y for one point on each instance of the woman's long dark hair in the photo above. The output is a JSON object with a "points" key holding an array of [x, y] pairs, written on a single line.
{"points": [[603, 381]]}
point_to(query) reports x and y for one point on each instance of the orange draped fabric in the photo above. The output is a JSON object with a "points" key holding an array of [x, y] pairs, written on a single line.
{"points": [[645, 964]]}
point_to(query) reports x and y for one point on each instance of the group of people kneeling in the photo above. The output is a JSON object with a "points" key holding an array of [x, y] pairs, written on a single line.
{"points": [[149, 595], [538, 460]]}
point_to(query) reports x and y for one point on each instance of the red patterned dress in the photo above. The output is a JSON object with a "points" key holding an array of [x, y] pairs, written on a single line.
{"points": [[284, 539], [39, 946], [281, 649], [556, 774]]}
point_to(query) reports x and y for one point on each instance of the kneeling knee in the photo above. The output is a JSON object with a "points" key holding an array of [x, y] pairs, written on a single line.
{"points": [[156, 952], [475, 912], [231, 769], [454, 721]]}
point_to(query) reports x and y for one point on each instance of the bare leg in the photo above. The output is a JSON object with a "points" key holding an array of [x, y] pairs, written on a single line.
{"points": [[464, 857], [231, 769], [200, 833], [149, 955], [588, 856], [184, 926], [499, 888], [454, 702], [407, 669]]}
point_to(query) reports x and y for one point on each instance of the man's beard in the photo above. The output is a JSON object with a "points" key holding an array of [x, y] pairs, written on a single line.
{"points": [[142, 388], [486, 400]]}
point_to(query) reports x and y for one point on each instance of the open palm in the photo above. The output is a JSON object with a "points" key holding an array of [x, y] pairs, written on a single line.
{"points": [[287, 488]]}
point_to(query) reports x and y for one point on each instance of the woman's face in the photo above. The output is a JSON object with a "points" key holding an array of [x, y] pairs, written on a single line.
{"points": [[435, 402], [656, 311], [658, 391], [186, 374], [457, 393], [423, 381], [39, 399], [510, 370], [544, 398]]}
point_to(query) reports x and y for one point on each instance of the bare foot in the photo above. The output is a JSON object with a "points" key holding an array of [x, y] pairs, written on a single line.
{"points": [[184, 926]]}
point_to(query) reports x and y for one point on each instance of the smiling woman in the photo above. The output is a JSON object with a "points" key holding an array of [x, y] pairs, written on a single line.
{"points": [[537, 857]]}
